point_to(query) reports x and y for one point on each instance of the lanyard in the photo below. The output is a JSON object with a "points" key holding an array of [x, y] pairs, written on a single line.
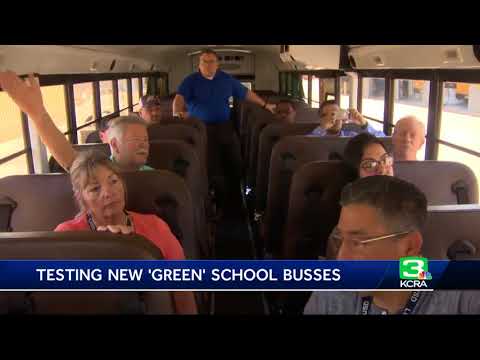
{"points": [[408, 309], [93, 227]]}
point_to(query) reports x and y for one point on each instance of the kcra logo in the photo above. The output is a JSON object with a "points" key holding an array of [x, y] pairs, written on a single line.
{"points": [[414, 273]]}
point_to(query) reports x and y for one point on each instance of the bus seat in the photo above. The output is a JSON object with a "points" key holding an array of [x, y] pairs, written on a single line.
{"points": [[313, 208], [451, 232], [307, 115], [257, 117], [181, 158], [282, 168], [250, 112], [81, 246], [182, 132], [193, 122], [443, 182], [288, 155], [55, 167], [256, 131], [93, 138], [270, 135], [159, 192], [311, 213]]}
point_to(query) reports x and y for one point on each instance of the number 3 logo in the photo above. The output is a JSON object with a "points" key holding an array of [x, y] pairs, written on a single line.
{"points": [[411, 267]]}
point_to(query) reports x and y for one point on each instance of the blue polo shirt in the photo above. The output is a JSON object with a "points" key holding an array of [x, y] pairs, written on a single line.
{"points": [[207, 99]]}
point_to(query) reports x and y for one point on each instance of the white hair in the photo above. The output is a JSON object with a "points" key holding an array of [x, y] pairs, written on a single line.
{"points": [[117, 126]]}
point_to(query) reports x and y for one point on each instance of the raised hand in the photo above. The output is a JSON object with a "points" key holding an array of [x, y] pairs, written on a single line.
{"points": [[25, 93]]}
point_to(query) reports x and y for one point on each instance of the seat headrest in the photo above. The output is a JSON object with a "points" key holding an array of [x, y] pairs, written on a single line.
{"points": [[443, 182], [451, 232]]}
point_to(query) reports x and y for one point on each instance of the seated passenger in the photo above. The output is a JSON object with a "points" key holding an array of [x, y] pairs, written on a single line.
{"points": [[285, 112], [128, 139], [381, 219], [367, 156], [127, 135], [99, 136], [100, 193], [150, 109], [333, 121], [408, 138]]}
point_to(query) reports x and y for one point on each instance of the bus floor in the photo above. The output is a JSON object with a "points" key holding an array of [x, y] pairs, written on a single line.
{"points": [[234, 241]]}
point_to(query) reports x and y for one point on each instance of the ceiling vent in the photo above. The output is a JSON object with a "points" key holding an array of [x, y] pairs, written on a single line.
{"points": [[378, 61], [452, 56]]}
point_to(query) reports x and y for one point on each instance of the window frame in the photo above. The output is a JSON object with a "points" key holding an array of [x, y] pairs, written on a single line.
{"points": [[67, 81]]}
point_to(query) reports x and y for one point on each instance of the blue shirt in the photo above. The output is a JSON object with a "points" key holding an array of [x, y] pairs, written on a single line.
{"points": [[207, 99], [319, 131]]}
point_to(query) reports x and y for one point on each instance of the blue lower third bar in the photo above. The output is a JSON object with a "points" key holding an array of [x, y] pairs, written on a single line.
{"points": [[218, 275]]}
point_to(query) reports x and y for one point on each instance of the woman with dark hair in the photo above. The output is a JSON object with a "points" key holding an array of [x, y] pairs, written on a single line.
{"points": [[368, 156]]}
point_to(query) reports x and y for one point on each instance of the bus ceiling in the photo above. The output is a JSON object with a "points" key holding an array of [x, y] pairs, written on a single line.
{"points": [[72, 59]]}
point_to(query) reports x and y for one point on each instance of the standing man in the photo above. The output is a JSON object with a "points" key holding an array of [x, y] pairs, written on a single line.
{"points": [[204, 95]]}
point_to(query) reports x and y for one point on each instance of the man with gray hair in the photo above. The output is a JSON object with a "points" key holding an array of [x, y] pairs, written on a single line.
{"points": [[127, 135], [128, 140], [381, 219], [408, 138]]}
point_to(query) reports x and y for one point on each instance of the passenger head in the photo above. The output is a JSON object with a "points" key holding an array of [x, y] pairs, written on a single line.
{"points": [[208, 62], [97, 185], [103, 131], [367, 155], [328, 116], [150, 110], [408, 137], [285, 112], [381, 219], [128, 140]]}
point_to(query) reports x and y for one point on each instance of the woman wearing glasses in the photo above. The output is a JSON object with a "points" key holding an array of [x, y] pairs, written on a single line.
{"points": [[367, 156]]}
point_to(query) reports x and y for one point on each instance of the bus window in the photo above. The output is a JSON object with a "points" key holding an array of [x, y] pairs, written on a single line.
{"points": [[373, 99], [411, 98], [123, 96], [345, 91], [144, 86], [283, 83], [315, 92], [135, 94], [305, 88], [54, 100], [106, 97], [11, 138], [84, 109], [460, 123], [162, 86], [327, 89], [16, 166]]}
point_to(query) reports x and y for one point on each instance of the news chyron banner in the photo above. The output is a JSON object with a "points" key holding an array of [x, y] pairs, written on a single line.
{"points": [[222, 275]]}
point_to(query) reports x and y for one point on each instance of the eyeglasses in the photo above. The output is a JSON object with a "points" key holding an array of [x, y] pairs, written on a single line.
{"points": [[335, 236], [370, 165]]}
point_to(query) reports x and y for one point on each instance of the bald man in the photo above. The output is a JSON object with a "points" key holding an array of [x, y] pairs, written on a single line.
{"points": [[408, 137]]}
